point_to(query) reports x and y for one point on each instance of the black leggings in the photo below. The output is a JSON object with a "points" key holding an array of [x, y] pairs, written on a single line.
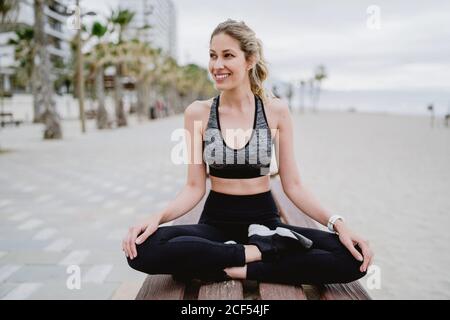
{"points": [[198, 250]]}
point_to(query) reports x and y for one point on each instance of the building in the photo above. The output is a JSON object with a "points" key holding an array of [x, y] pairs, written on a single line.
{"points": [[160, 15], [56, 28]]}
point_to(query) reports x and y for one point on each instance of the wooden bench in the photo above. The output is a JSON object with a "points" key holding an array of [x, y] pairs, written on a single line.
{"points": [[164, 287], [9, 119]]}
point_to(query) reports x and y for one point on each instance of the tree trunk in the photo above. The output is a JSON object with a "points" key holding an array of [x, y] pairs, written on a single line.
{"points": [[317, 95], [141, 99], [172, 98], [120, 112], [44, 85], [36, 111], [102, 114]]}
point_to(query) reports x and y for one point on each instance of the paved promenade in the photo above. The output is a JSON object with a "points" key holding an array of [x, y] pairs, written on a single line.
{"points": [[70, 202]]}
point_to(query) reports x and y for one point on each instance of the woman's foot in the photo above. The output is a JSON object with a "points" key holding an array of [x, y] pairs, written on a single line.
{"points": [[252, 253], [272, 242], [237, 272]]}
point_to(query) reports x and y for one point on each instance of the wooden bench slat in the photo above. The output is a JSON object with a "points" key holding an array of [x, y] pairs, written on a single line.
{"points": [[225, 290], [161, 287], [347, 291], [292, 215], [275, 291]]}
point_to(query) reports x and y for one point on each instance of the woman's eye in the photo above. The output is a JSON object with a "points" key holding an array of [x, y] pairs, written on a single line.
{"points": [[226, 55]]}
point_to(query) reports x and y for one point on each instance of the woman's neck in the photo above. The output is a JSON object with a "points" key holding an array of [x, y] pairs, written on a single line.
{"points": [[237, 99]]}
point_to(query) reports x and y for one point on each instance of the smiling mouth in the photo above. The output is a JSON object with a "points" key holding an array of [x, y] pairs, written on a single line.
{"points": [[222, 76]]}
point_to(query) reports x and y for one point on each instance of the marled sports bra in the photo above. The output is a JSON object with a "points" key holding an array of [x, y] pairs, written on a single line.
{"points": [[250, 161]]}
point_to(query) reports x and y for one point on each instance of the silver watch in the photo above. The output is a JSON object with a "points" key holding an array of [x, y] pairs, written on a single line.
{"points": [[332, 221]]}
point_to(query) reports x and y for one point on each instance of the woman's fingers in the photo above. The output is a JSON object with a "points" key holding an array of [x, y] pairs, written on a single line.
{"points": [[353, 251], [370, 262], [367, 255], [127, 246], [124, 247], [132, 242], [147, 233], [143, 236], [129, 242]]}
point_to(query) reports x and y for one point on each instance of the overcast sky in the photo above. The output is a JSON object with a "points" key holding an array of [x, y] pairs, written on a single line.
{"points": [[410, 50]]}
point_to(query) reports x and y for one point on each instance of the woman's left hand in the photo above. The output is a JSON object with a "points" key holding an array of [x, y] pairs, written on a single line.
{"points": [[349, 240]]}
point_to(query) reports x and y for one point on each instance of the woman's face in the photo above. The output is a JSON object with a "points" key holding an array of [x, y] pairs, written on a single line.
{"points": [[227, 63]]}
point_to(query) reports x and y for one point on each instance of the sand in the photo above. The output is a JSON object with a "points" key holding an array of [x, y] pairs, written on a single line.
{"points": [[389, 176]]}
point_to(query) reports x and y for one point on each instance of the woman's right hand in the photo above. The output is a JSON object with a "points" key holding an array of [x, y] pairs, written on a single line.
{"points": [[138, 234]]}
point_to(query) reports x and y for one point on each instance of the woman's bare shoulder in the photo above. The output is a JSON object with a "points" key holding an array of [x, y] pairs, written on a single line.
{"points": [[206, 104], [198, 109], [277, 105], [277, 109]]}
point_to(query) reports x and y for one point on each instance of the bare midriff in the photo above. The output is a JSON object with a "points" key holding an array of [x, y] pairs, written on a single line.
{"points": [[240, 186]]}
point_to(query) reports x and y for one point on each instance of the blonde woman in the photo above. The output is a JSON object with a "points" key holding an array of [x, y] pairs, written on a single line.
{"points": [[240, 234]]}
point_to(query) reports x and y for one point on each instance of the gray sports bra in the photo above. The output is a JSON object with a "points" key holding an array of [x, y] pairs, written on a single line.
{"points": [[250, 161]]}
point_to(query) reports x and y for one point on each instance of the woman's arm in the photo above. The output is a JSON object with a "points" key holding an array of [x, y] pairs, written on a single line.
{"points": [[190, 195], [287, 166], [182, 204], [300, 195]]}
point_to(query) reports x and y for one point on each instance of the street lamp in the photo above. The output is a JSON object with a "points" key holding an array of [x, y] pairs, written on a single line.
{"points": [[80, 62]]}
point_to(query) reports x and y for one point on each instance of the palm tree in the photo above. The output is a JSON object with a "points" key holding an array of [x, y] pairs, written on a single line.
{"points": [[170, 74], [319, 75], [25, 50], [100, 50], [148, 63], [9, 11], [194, 83], [146, 66], [44, 86], [120, 19]]}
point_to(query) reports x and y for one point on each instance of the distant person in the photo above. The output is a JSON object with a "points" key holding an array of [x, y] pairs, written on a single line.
{"points": [[431, 109], [289, 94], [240, 234], [447, 117]]}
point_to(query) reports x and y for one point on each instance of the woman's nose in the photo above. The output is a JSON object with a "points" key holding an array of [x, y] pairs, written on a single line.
{"points": [[218, 64]]}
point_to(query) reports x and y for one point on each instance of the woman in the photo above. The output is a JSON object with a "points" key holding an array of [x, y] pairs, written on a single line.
{"points": [[240, 234]]}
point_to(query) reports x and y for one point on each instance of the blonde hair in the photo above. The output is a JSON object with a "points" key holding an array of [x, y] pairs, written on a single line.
{"points": [[251, 46]]}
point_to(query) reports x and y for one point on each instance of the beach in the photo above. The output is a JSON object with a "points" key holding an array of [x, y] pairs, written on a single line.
{"points": [[388, 175]]}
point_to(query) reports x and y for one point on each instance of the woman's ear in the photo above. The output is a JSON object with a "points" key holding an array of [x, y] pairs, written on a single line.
{"points": [[252, 63]]}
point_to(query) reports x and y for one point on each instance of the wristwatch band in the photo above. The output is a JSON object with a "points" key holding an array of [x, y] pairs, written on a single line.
{"points": [[332, 221]]}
